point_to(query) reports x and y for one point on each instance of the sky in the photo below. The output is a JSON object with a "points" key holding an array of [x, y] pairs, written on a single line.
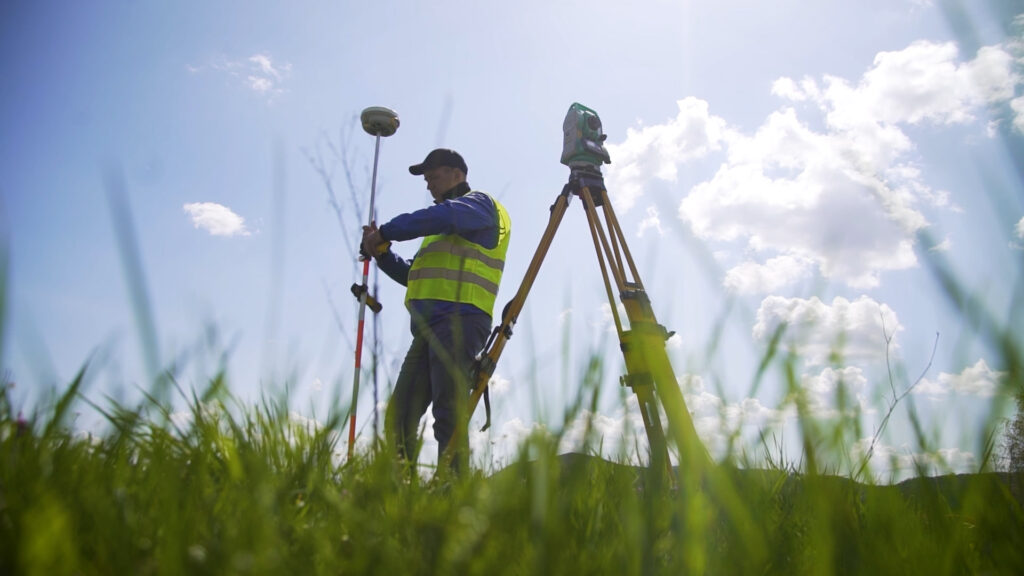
{"points": [[182, 185]]}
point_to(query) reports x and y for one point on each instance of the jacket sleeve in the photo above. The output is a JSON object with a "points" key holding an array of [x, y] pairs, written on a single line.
{"points": [[472, 216], [396, 267]]}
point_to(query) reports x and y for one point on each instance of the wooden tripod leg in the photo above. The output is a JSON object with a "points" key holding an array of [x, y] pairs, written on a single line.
{"points": [[638, 378], [496, 344], [649, 371]]}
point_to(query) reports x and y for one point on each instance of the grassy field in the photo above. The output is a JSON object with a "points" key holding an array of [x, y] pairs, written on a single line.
{"points": [[247, 490]]}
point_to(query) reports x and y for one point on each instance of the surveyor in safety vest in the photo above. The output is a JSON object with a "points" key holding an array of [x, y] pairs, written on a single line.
{"points": [[451, 285]]}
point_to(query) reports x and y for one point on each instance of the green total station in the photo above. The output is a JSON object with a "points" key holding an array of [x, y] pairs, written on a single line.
{"points": [[583, 138]]}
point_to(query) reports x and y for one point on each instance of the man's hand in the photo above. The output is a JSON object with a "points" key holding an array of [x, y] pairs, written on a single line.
{"points": [[373, 243]]}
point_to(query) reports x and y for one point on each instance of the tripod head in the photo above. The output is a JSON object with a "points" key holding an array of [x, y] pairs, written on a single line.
{"points": [[588, 177]]}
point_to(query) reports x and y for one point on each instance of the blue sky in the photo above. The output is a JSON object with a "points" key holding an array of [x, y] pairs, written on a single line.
{"points": [[772, 163]]}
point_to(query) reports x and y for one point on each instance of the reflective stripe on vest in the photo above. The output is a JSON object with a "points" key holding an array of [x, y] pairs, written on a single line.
{"points": [[454, 275], [445, 245], [448, 267]]}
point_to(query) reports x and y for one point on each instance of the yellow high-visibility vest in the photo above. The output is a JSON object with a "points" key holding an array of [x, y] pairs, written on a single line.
{"points": [[448, 267]]}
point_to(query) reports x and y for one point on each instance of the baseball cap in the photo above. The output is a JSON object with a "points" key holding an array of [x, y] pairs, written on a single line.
{"points": [[437, 158]]}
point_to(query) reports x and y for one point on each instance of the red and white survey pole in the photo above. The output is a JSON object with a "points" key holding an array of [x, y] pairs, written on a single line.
{"points": [[380, 122]]}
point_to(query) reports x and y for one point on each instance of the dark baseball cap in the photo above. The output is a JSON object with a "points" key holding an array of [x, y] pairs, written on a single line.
{"points": [[437, 158]]}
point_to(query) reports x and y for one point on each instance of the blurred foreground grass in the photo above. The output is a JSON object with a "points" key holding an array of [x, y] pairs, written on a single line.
{"points": [[248, 490]]}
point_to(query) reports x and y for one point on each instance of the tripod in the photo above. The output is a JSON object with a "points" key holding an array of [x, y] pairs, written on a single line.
{"points": [[649, 373]]}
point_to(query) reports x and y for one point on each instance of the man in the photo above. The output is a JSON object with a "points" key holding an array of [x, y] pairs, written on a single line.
{"points": [[452, 283]]}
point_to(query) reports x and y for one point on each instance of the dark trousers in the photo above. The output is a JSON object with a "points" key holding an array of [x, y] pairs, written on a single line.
{"points": [[436, 371]]}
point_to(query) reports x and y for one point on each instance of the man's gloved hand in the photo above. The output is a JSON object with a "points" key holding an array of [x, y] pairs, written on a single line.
{"points": [[373, 243]]}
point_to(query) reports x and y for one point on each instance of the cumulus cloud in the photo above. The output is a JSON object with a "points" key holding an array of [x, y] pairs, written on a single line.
{"points": [[613, 433], [716, 420], [1017, 105], [844, 201], [924, 81], [789, 89], [752, 277], [621, 433], [902, 462], [498, 385], [495, 447], [216, 219], [658, 150], [1018, 231], [789, 191], [818, 332], [833, 391], [977, 380], [674, 342], [604, 321], [651, 222]]}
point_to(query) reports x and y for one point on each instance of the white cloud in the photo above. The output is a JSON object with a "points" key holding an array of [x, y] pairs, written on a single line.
{"points": [[822, 391], [261, 85], [266, 67], [791, 192], [1017, 105], [716, 420], [297, 421], [604, 320], [651, 222], [565, 316], [674, 342], [977, 380], [787, 89], [622, 432], [925, 82], [845, 200], [258, 73], [901, 462], [589, 430], [656, 151], [216, 219], [183, 419], [495, 447], [816, 331], [1020, 229], [498, 385], [751, 277]]}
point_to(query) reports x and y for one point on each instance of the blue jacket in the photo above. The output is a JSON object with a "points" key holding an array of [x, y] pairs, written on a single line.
{"points": [[467, 213]]}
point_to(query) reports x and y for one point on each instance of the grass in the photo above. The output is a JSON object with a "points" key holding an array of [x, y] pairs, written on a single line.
{"points": [[249, 490]]}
